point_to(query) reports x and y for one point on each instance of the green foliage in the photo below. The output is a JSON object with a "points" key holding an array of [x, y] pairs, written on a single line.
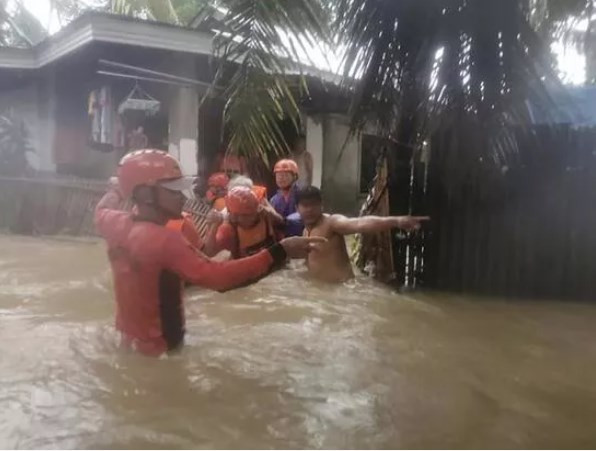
{"points": [[14, 145], [456, 66], [188, 9], [263, 37]]}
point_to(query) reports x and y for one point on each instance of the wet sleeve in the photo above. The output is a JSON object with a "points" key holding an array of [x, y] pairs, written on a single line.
{"points": [[111, 224], [109, 218], [180, 258]]}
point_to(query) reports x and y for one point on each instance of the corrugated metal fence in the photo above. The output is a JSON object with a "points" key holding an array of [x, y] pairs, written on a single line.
{"points": [[529, 233], [58, 205], [525, 231]]}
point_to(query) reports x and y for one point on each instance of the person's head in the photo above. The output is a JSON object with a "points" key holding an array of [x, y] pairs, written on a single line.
{"points": [[299, 146], [286, 173], [140, 129], [154, 181], [218, 184], [240, 180], [243, 207], [310, 204]]}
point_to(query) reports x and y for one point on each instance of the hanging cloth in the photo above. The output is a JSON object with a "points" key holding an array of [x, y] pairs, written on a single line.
{"points": [[138, 99]]}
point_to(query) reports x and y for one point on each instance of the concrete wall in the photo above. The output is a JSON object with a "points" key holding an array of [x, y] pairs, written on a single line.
{"points": [[341, 174], [32, 105]]}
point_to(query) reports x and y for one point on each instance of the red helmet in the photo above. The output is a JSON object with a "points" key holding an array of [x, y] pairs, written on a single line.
{"points": [[218, 180], [242, 201], [286, 166], [146, 167]]}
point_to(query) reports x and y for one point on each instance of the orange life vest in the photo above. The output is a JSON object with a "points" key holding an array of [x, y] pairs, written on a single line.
{"points": [[186, 226], [250, 241], [260, 191]]}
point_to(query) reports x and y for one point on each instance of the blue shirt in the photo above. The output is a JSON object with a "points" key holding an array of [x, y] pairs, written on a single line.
{"points": [[282, 206], [287, 208], [294, 225]]}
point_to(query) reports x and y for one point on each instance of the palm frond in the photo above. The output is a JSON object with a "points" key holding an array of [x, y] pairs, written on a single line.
{"points": [[163, 10], [263, 40], [186, 10], [424, 67]]}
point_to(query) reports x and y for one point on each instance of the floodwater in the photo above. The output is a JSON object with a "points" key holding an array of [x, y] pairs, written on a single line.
{"points": [[286, 364]]}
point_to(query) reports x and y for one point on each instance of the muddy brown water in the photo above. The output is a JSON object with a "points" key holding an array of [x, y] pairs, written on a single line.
{"points": [[286, 363]]}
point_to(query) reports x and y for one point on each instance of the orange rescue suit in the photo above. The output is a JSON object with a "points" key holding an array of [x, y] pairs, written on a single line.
{"points": [[186, 226]]}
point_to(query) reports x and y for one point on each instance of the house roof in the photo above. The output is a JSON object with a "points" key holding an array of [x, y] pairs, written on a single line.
{"points": [[95, 26], [110, 28]]}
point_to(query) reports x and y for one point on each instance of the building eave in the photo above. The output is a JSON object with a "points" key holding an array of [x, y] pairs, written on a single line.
{"points": [[16, 58], [110, 29]]}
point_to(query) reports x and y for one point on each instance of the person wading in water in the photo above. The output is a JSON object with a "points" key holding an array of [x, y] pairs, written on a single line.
{"points": [[150, 262], [249, 227], [330, 261]]}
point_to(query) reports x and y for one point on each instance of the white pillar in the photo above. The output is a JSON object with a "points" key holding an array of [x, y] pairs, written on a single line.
{"points": [[46, 101], [183, 130], [314, 144]]}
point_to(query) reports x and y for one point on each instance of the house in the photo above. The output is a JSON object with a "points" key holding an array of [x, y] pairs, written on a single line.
{"points": [[84, 92]]}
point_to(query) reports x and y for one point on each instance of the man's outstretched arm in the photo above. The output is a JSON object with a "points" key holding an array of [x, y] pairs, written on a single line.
{"points": [[372, 224]]}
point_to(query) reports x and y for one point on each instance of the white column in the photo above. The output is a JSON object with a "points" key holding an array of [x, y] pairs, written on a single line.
{"points": [[314, 144], [183, 130], [46, 101]]}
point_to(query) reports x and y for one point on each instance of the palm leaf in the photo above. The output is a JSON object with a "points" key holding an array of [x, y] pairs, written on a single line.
{"points": [[263, 39], [423, 68], [163, 11]]}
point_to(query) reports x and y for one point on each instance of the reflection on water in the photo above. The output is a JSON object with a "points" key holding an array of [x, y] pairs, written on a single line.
{"points": [[286, 363]]}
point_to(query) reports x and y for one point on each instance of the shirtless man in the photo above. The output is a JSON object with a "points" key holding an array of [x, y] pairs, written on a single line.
{"points": [[330, 261]]}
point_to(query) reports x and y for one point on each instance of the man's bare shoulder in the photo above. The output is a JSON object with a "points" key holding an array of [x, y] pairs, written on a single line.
{"points": [[326, 225], [320, 229]]}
